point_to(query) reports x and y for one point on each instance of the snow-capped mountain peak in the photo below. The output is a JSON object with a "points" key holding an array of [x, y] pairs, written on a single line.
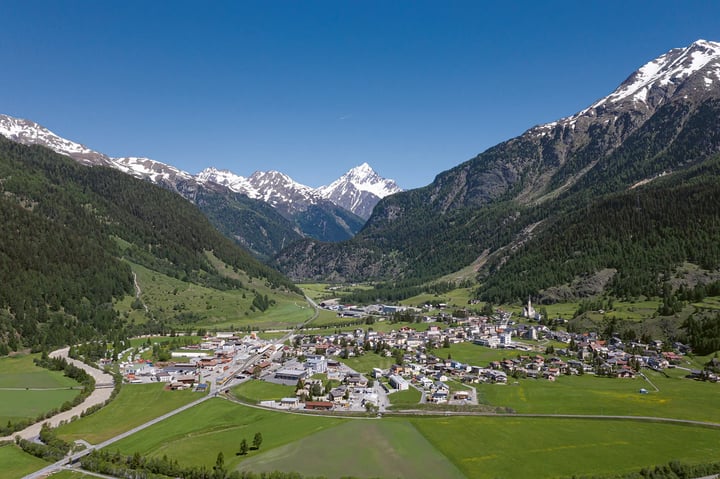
{"points": [[359, 190], [28, 132], [671, 68], [691, 71]]}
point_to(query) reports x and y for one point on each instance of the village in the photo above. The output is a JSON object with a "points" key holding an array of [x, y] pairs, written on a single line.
{"points": [[314, 361]]}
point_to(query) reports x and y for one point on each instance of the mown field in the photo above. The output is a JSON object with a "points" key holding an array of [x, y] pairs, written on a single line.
{"points": [[486, 447], [27, 390], [419, 447], [365, 363], [407, 399], [255, 391], [135, 405], [196, 436]]}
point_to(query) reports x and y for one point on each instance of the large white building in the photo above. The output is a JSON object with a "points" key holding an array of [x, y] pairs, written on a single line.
{"points": [[399, 382]]}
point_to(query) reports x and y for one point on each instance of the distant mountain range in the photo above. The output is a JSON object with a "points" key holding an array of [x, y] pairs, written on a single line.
{"points": [[565, 201], [238, 205]]}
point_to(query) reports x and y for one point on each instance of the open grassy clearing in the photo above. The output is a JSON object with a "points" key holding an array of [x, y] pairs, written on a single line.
{"points": [[27, 391], [405, 399], [16, 463], [484, 447], [365, 363], [361, 448], [20, 372], [678, 398], [474, 355], [457, 298], [255, 391], [195, 436], [15, 405], [138, 342], [135, 405]]}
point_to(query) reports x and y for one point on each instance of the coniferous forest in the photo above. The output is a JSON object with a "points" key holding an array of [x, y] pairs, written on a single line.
{"points": [[62, 226]]}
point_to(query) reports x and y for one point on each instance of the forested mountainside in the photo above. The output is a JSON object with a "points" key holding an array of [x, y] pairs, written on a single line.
{"points": [[662, 122], [64, 228], [263, 212]]}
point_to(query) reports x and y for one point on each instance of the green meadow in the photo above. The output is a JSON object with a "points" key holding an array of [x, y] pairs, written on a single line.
{"points": [[457, 298], [474, 355], [254, 391], [488, 447], [16, 463], [407, 399], [135, 405], [196, 436], [678, 398], [361, 448], [365, 363], [27, 390], [419, 447]]}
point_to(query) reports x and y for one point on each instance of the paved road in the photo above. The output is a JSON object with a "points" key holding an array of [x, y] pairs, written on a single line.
{"points": [[98, 396]]}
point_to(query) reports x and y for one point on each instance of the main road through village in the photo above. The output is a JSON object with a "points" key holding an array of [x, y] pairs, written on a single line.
{"points": [[104, 381]]}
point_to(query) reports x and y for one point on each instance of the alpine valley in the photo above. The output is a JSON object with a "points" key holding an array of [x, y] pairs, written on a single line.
{"points": [[611, 199]]}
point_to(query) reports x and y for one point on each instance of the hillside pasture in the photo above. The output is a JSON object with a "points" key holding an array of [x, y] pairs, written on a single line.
{"points": [[200, 306]]}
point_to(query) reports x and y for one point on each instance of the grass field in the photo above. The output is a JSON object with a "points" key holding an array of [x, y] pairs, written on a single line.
{"points": [[255, 391], [423, 447], [195, 436], [361, 448], [135, 405], [483, 447], [474, 355], [27, 390], [405, 399], [16, 463], [365, 363], [457, 298], [677, 398]]}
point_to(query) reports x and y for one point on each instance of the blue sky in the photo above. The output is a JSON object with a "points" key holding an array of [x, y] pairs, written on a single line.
{"points": [[313, 88]]}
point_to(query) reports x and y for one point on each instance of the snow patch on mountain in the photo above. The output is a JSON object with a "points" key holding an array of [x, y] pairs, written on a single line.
{"points": [[653, 83], [359, 190], [29, 133]]}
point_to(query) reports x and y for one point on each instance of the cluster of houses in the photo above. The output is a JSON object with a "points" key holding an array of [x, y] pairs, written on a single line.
{"points": [[313, 354]]}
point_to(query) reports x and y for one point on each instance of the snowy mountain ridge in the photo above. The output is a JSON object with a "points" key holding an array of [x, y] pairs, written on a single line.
{"points": [[654, 83], [273, 187]]}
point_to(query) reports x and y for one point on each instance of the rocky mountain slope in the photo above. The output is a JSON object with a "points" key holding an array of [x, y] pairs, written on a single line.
{"points": [[661, 121], [359, 190]]}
